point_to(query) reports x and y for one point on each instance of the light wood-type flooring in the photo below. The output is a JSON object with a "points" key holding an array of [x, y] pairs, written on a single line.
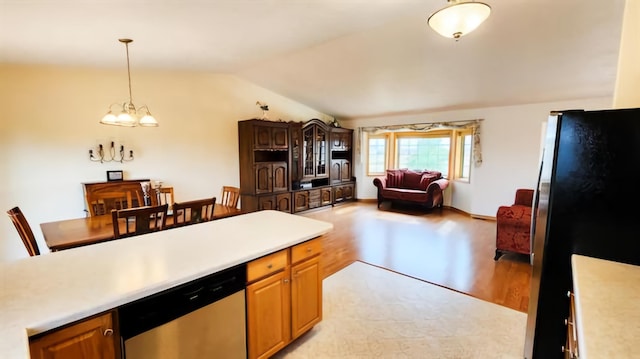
{"points": [[443, 247]]}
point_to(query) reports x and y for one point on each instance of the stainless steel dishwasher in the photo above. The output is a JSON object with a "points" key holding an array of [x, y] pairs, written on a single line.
{"points": [[204, 318]]}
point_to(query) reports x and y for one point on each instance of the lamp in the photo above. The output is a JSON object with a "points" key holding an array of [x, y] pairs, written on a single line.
{"points": [[459, 18], [129, 116]]}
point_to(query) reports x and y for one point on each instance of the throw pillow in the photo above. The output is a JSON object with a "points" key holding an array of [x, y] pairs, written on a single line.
{"points": [[426, 179], [394, 178], [411, 180]]}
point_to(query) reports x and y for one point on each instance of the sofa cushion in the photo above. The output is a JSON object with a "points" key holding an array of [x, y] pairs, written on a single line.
{"points": [[426, 179], [411, 180], [394, 178], [412, 195]]}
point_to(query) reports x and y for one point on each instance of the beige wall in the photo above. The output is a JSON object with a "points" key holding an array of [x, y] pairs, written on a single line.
{"points": [[627, 93], [50, 121], [510, 141]]}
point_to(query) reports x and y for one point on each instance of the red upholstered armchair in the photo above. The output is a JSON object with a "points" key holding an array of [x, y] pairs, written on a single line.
{"points": [[513, 225]]}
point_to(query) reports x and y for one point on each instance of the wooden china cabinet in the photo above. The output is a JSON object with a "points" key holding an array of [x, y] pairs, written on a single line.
{"points": [[294, 166], [264, 165]]}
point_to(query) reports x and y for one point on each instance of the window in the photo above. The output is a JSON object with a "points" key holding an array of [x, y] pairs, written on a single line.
{"points": [[447, 151], [424, 151], [463, 155], [377, 154]]}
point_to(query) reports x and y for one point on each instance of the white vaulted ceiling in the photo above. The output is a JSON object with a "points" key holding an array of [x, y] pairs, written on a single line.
{"points": [[347, 58]]}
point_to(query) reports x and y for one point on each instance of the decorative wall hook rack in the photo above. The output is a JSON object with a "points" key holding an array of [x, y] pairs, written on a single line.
{"points": [[109, 155]]}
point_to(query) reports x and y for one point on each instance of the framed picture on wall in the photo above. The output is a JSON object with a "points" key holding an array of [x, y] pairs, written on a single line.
{"points": [[114, 176]]}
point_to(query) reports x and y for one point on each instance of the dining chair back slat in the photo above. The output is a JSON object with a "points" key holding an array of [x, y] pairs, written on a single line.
{"points": [[230, 196], [165, 196], [192, 212], [139, 220], [24, 230]]}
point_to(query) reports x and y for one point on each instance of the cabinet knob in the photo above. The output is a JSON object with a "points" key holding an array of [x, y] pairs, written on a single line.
{"points": [[309, 250], [269, 266], [286, 280], [566, 322], [564, 349], [108, 332], [568, 294]]}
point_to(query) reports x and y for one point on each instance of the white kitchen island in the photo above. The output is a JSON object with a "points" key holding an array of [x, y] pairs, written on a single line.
{"points": [[47, 291]]}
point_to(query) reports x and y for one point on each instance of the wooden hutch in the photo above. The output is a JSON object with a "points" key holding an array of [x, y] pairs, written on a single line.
{"points": [[294, 166]]}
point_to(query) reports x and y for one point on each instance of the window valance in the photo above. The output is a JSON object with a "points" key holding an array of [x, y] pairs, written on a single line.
{"points": [[474, 125]]}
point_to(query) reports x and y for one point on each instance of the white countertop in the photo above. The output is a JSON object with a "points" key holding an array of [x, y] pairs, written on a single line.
{"points": [[47, 291], [607, 297]]}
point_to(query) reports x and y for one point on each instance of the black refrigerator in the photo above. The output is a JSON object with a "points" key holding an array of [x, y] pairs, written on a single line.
{"points": [[586, 202]]}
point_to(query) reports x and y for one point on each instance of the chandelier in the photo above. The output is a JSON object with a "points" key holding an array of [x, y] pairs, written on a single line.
{"points": [[129, 116], [459, 18]]}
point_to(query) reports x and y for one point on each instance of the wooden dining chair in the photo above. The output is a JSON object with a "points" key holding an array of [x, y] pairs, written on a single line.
{"points": [[104, 202], [230, 196], [165, 196], [24, 230], [192, 212], [140, 220]]}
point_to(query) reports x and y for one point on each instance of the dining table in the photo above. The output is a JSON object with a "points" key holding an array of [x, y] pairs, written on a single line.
{"points": [[77, 232]]}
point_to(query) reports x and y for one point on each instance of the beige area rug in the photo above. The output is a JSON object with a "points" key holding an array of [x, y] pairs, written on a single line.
{"points": [[370, 312]]}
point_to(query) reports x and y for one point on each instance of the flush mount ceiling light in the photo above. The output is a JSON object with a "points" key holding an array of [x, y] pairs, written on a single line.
{"points": [[130, 116], [459, 18]]}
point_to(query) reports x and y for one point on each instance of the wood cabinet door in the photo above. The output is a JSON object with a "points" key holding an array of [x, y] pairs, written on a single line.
{"points": [[283, 202], [268, 137], [325, 196], [306, 296], [268, 315], [345, 170], [266, 203], [336, 170], [336, 141], [280, 177], [264, 180], [300, 201], [337, 194], [261, 137], [279, 138], [90, 338], [347, 191], [314, 198], [346, 140]]}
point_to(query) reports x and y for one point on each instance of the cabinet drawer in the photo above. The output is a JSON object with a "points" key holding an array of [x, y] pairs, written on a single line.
{"points": [[305, 250], [266, 265], [314, 194]]}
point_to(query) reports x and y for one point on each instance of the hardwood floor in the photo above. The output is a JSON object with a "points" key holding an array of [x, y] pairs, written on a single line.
{"points": [[443, 247]]}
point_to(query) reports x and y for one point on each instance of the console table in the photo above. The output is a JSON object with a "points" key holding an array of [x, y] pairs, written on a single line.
{"points": [[133, 186]]}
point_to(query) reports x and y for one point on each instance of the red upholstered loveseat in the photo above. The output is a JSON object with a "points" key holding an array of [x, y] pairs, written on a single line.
{"points": [[420, 187]]}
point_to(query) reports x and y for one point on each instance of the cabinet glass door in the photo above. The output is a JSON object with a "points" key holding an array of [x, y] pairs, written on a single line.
{"points": [[321, 152], [307, 138]]}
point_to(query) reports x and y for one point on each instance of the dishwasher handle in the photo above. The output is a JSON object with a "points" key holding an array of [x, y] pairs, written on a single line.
{"points": [[193, 295]]}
